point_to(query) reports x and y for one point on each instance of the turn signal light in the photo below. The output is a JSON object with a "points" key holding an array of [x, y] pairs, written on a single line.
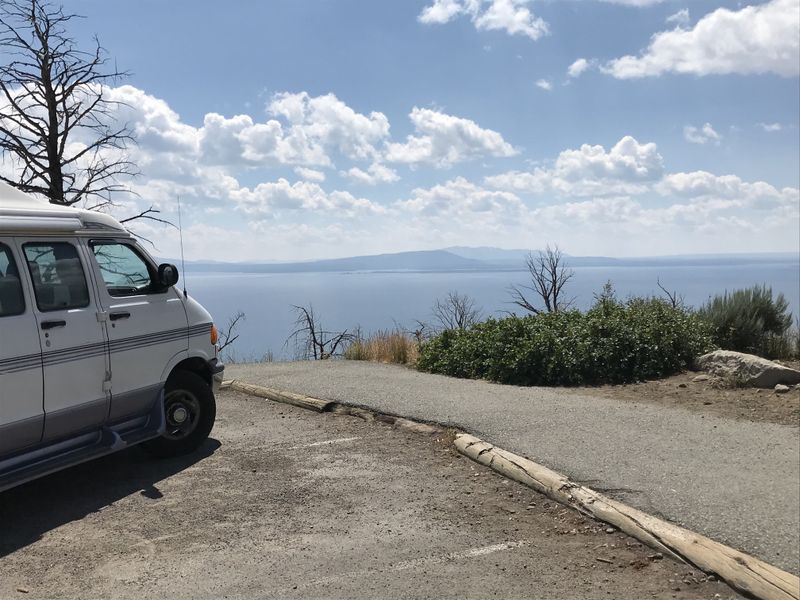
{"points": [[214, 335]]}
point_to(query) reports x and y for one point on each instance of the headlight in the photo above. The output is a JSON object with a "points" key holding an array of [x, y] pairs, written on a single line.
{"points": [[214, 335]]}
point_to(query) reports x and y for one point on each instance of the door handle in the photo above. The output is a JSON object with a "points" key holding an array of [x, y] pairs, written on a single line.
{"points": [[51, 324], [116, 316]]}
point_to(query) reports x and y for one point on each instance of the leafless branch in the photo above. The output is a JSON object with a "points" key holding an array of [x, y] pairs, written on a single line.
{"points": [[676, 300], [228, 335], [456, 311], [55, 93], [312, 342], [549, 275]]}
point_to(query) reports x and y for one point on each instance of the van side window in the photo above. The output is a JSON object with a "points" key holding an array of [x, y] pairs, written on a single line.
{"points": [[125, 273], [12, 301], [57, 275]]}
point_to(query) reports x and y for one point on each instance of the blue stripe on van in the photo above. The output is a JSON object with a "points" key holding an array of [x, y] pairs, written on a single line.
{"points": [[65, 355]]}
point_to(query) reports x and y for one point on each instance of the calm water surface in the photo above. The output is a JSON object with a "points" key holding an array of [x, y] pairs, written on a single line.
{"points": [[379, 300]]}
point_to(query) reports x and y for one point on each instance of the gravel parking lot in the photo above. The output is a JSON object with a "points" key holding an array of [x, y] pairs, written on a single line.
{"points": [[284, 503]]}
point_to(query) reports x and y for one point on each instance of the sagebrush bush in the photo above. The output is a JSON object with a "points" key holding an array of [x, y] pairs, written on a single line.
{"points": [[751, 320], [614, 342]]}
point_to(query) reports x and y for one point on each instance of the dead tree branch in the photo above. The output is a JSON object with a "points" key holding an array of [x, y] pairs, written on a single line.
{"points": [[58, 126], [456, 311], [229, 335], [312, 342], [549, 275], [676, 300]]}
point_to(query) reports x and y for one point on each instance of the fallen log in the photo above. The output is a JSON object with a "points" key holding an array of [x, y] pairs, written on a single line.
{"points": [[280, 396], [741, 571]]}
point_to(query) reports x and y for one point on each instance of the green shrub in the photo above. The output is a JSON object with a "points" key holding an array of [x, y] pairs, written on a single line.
{"points": [[614, 342], [750, 320]]}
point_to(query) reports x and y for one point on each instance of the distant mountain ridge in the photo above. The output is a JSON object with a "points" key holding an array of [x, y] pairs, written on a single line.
{"points": [[461, 258], [422, 260]]}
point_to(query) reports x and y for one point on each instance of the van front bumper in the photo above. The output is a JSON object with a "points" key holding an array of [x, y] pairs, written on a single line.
{"points": [[217, 370]]}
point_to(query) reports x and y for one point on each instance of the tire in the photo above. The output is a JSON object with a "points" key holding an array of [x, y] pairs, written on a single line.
{"points": [[190, 410]]}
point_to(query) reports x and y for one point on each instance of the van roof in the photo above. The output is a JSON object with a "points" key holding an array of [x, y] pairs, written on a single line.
{"points": [[22, 212]]}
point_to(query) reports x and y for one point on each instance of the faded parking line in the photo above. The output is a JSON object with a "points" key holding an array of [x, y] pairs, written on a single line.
{"points": [[421, 562], [325, 443]]}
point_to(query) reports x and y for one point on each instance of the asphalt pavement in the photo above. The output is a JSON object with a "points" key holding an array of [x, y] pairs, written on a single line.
{"points": [[285, 503], [735, 481]]}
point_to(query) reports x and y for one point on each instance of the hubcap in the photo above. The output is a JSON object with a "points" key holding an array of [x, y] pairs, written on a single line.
{"points": [[182, 410]]}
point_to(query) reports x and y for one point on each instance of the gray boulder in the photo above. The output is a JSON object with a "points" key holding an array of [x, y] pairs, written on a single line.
{"points": [[747, 368]]}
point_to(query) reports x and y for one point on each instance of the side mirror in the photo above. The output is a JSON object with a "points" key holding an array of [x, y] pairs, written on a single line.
{"points": [[167, 275]]}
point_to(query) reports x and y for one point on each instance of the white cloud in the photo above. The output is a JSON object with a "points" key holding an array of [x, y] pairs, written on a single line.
{"points": [[266, 199], [753, 40], [376, 173], [463, 200], [634, 2], [313, 129], [328, 121], [728, 190], [680, 18], [310, 174], [771, 127], [701, 135], [577, 68], [441, 11], [511, 16], [544, 84], [594, 200], [590, 170], [444, 140]]}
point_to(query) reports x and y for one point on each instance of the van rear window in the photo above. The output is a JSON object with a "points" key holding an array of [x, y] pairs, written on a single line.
{"points": [[12, 301], [57, 274]]}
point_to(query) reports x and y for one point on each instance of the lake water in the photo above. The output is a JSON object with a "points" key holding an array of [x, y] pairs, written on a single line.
{"points": [[378, 300]]}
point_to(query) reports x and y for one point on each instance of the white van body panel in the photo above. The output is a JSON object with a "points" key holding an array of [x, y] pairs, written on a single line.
{"points": [[79, 379], [74, 356], [145, 332], [21, 391]]}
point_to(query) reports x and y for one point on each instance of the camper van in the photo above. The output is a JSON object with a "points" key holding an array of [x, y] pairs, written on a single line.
{"points": [[98, 349]]}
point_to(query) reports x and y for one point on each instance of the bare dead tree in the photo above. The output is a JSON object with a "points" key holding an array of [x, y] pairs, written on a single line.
{"points": [[312, 342], [549, 274], [57, 127], [421, 332], [229, 335], [675, 300], [456, 311]]}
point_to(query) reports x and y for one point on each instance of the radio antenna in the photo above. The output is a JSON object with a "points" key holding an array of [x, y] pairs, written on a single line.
{"points": [[183, 262]]}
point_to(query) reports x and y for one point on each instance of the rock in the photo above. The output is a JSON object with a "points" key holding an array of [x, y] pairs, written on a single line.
{"points": [[747, 369], [682, 385], [700, 378], [781, 389]]}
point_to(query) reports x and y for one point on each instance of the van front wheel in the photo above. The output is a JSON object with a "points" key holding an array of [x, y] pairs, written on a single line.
{"points": [[189, 410]]}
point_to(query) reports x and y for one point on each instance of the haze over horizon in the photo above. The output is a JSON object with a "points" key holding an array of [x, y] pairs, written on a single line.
{"points": [[302, 130]]}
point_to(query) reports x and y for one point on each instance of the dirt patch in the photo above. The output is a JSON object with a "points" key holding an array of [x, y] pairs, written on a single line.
{"points": [[709, 397], [284, 503]]}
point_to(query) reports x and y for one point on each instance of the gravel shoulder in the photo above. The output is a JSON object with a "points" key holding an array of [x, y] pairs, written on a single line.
{"points": [[285, 503], [707, 398], [733, 480]]}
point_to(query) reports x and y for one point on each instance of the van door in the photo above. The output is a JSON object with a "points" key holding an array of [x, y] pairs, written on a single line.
{"points": [[74, 347], [21, 389], [147, 325]]}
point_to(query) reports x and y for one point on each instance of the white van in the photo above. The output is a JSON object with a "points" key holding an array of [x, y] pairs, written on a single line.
{"points": [[98, 350]]}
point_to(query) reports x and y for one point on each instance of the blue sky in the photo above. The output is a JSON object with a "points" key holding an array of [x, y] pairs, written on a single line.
{"points": [[266, 118]]}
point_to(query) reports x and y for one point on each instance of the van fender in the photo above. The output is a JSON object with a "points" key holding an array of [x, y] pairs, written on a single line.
{"points": [[194, 360]]}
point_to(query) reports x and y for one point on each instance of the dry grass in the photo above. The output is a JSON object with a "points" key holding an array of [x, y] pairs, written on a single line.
{"points": [[388, 346]]}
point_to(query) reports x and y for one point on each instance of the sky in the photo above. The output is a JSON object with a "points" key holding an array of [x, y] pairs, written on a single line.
{"points": [[300, 129]]}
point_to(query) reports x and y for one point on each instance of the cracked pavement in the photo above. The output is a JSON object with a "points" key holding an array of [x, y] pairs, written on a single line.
{"points": [[285, 503], [735, 481]]}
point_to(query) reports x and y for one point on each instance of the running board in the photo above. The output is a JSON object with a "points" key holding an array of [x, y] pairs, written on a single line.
{"points": [[37, 463]]}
